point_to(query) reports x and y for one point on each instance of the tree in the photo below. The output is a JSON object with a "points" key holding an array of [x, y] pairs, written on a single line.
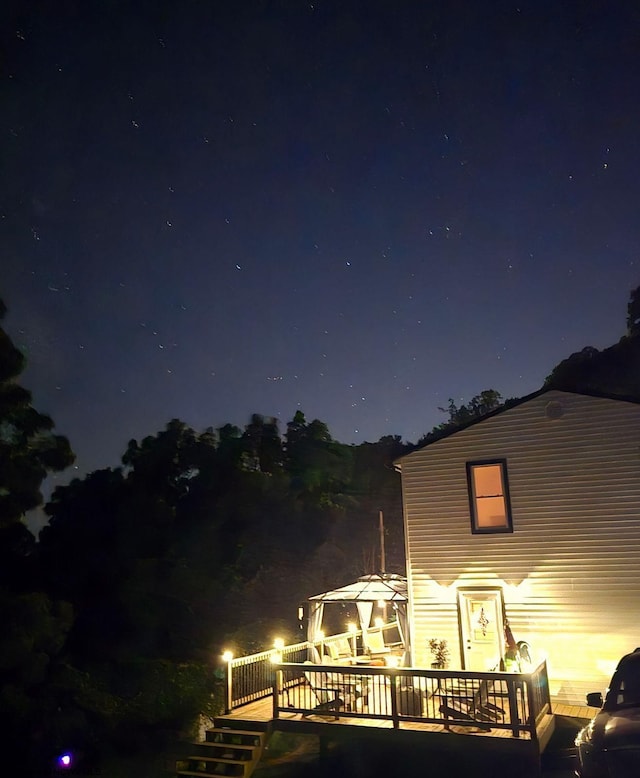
{"points": [[319, 466], [633, 313], [28, 448], [480, 405], [264, 447], [614, 370], [34, 625]]}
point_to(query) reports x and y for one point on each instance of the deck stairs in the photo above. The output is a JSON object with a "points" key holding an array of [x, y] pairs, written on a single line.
{"points": [[231, 749]]}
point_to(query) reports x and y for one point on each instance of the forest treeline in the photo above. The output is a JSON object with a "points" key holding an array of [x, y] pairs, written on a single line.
{"points": [[113, 621]]}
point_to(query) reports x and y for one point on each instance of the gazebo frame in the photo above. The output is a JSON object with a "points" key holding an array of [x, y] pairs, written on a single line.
{"points": [[367, 590]]}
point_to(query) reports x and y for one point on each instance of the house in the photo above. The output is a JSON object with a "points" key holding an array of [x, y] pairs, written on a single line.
{"points": [[532, 514]]}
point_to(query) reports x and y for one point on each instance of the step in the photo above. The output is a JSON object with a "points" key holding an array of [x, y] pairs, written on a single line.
{"points": [[217, 760], [236, 723], [207, 774], [226, 735], [214, 767], [212, 746]]}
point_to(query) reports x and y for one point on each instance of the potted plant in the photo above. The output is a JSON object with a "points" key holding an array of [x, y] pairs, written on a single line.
{"points": [[440, 653]]}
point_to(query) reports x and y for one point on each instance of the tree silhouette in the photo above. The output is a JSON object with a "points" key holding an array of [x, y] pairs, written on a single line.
{"points": [[614, 370], [28, 448], [487, 401]]}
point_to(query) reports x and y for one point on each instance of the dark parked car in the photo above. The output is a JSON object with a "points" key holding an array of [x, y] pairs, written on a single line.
{"points": [[609, 746]]}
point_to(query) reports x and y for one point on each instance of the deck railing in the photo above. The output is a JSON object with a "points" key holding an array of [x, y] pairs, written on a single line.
{"points": [[250, 678], [509, 701]]}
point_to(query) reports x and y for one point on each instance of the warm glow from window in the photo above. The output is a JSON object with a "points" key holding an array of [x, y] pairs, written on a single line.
{"points": [[488, 496]]}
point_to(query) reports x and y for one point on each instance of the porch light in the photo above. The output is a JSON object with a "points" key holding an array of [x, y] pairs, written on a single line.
{"points": [[278, 644], [379, 622], [381, 603], [227, 656]]}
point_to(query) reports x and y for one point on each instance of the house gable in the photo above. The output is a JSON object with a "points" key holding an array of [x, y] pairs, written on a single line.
{"points": [[569, 568]]}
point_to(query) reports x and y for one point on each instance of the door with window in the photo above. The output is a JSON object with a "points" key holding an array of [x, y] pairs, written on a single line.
{"points": [[481, 618]]}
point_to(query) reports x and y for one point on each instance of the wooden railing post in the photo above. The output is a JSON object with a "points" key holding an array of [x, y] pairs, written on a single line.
{"points": [[533, 699], [547, 691], [277, 690], [393, 683], [229, 687], [513, 708]]}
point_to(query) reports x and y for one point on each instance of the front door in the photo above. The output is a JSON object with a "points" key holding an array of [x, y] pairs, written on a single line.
{"points": [[481, 617]]}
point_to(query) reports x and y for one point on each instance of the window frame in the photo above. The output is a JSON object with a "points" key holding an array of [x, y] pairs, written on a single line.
{"points": [[475, 529]]}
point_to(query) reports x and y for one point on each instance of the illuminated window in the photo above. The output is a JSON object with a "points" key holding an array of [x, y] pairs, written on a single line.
{"points": [[489, 496]]}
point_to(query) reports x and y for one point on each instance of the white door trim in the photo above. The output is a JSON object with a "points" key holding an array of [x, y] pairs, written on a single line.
{"points": [[481, 626]]}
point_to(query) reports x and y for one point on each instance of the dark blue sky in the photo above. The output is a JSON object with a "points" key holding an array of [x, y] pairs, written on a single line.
{"points": [[210, 209]]}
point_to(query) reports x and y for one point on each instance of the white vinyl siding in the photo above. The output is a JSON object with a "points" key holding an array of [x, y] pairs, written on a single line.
{"points": [[570, 572]]}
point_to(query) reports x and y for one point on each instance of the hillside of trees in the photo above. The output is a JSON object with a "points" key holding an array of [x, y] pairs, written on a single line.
{"points": [[197, 541]]}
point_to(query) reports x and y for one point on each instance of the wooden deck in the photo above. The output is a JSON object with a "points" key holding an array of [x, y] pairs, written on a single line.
{"points": [[455, 716], [262, 710], [303, 695], [454, 751]]}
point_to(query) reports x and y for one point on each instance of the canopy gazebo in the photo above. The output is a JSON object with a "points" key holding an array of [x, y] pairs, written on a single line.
{"points": [[365, 592]]}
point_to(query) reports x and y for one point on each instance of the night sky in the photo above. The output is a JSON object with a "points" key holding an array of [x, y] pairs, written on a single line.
{"points": [[356, 209]]}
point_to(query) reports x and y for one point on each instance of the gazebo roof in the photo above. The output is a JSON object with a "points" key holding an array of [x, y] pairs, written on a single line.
{"points": [[369, 588]]}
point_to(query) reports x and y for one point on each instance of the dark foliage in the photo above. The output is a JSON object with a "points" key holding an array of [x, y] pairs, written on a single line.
{"points": [[459, 416], [614, 370], [28, 448]]}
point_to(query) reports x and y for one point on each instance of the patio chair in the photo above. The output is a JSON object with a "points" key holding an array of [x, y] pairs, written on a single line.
{"points": [[339, 650], [376, 647], [474, 707], [326, 691]]}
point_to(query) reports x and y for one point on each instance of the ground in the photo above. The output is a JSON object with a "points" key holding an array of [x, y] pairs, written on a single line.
{"points": [[295, 756]]}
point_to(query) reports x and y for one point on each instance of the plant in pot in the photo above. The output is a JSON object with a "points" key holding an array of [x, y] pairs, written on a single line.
{"points": [[440, 653]]}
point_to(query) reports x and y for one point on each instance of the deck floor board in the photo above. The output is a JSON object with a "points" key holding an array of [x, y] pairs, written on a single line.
{"points": [[262, 710]]}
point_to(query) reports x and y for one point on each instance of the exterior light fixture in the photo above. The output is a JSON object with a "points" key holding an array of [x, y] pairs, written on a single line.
{"points": [[227, 658], [278, 645], [379, 622]]}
